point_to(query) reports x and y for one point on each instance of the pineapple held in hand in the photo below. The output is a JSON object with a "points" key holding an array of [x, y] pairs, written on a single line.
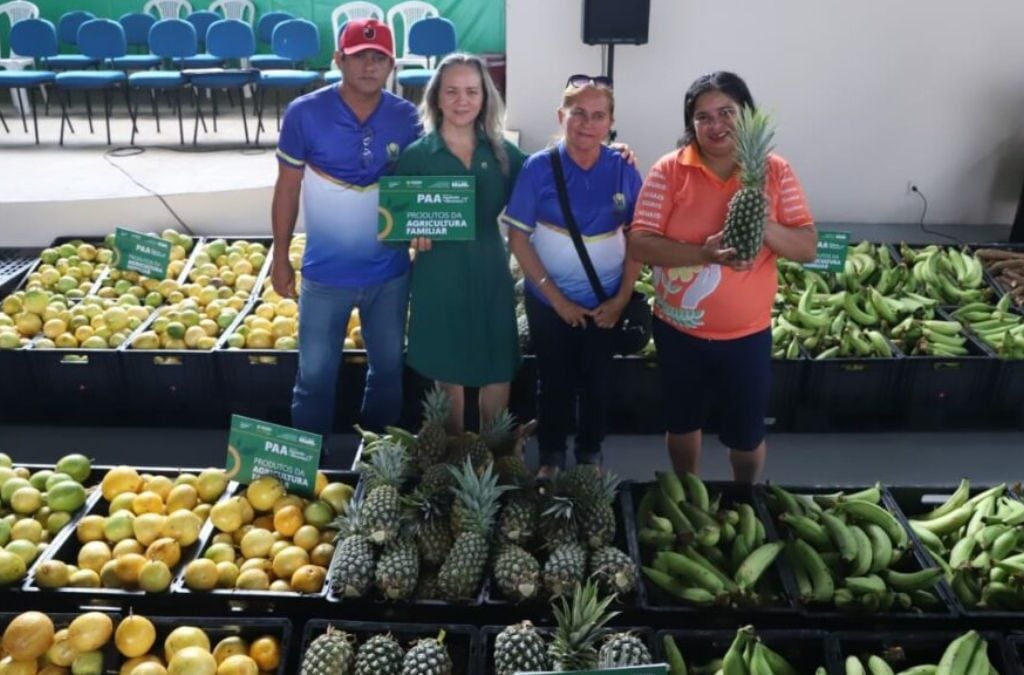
{"points": [[744, 224]]}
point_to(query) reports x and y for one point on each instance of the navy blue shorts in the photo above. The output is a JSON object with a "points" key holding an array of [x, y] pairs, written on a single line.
{"points": [[731, 378]]}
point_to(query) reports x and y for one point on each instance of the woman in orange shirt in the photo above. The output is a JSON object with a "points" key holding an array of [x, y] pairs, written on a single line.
{"points": [[712, 323]]}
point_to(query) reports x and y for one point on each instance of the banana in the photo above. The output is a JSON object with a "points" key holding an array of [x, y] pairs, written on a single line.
{"points": [[878, 666], [696, 491], [986, 536], [808, 529], [912, 581], [853, 666], [841, 536], [681, 566], [696, 557], [1005, 544], [995, 490], [866, 585], [670, 509], [785, 501], [734, 662], [655, 538], [700, 518], [953, 502], [880, 344], [982, 511], [882, 307], [864, 317], [964, 588], [809, 317], [679, 589], [779, 665], [758, 662], [755, 564], [867, 512], [800, 574], [862, 563], [739, 552], [882, 554], [923, 669], [660, 523], [821, 577], [676, 663], [670, 486], [980, 664], [747, 529], [645, 507], [958, 654], [962, 551]]}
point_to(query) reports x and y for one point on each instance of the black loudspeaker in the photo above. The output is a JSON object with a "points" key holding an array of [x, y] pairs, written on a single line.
{"points": [[616, 22]]}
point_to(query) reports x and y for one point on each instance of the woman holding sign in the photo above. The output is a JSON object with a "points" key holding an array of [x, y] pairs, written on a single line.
{"points": [[574, 200], [462, 325], [712, 313]]}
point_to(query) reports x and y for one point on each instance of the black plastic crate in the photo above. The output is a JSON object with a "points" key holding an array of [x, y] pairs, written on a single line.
{"points": [[912, 561], [1008, 391], [910, 501], [251, 600], [541, 603], [88, 383], [14, 263], [488, 635], [805, 650], [655, 600], [948, 392], [1014, 652], [19, 391], [67, 547], [786, 384], [908, 649], [111, 657], [851, 393], [461, 640], [219, 628]]}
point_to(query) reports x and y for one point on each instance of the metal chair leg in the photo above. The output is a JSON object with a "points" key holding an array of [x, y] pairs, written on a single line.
{"points": [[277, 109], [133, 114], [21, 107], [258, 103], [88, 109], [106, 111], [156, 108], [199, 111], [214, 99], [64, 101], [35, 118], [245, 123], [3, 121], [181, 128]]}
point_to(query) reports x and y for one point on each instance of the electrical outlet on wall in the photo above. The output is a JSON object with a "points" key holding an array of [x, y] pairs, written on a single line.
{"points": [[911, 186]]}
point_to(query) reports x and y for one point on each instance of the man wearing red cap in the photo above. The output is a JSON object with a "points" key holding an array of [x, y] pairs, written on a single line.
{"points": [[334, 146]]}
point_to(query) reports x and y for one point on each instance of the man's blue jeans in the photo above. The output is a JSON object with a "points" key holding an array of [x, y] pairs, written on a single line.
{"points": [[323, 319]]}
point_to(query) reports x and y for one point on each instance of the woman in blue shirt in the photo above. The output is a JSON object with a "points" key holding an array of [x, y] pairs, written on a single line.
{"points": [[570, 327]]}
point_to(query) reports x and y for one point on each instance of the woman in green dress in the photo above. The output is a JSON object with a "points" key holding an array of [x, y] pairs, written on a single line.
{"points": [[462, 325]]}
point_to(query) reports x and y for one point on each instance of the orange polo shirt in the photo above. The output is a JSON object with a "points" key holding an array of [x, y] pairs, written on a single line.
{"points": [[684, 200]]}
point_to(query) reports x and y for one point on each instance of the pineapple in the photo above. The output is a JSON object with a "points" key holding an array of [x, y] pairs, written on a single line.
{"points": [[622, 650], [354, 558], [382, 508], [380, 655], [398, 569], [517, 573], [427, 657], [520, 648], [512, 470], [580, 621], [473, 448], [437, 480], [596, 512], [744, 224], [517, 523], [431, 441], [558, 521], [428, 588], [329, 654], [463, 569], [614, 571], [565, 569], [433, 537], [498, 435]]}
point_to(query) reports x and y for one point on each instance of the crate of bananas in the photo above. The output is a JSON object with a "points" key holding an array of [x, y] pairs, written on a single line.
{"points": [[349, 647], [998, 326], [580, 639], [920, 653], [702, 545], [976, 536], [952, 275], [772, 652], [849, 551]]}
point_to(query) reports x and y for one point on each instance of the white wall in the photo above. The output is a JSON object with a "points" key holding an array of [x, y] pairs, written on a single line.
{"points": [[868, 94]]}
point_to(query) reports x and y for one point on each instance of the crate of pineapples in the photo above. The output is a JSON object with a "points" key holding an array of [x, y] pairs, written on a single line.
{"points": [[37, 505], [135, 537], [580, 639], [471, 494], [336, 647], [745, 650], [264, 542], [847, 551], [703, 545]]}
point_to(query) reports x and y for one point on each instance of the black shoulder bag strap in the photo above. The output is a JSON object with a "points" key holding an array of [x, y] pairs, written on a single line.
{"points": [[570, 224]]}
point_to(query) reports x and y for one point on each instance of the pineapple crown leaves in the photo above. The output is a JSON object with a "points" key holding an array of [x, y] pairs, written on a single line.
{"points": [[478, 494], [347, 524], [498, 431], [754, 135], [387, 465], [436, 405], [581, 619]]}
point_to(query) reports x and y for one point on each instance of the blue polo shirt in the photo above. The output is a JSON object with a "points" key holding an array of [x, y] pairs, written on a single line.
{"points": [[602, 199], [343, 160]]}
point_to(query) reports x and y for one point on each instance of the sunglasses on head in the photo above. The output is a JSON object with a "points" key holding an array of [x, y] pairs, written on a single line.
{"points": [[581, 80]]}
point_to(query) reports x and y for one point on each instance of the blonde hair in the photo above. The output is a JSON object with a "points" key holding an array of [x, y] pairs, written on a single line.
{"points": [[491, 119], [572, 94]]}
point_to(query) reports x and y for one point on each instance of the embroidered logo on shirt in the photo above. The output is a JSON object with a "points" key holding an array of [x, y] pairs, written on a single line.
{"points": [[619, 200], [393, 151]]}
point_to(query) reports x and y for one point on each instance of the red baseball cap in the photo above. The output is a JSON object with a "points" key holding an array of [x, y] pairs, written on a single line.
{"points": [[360, 34]]}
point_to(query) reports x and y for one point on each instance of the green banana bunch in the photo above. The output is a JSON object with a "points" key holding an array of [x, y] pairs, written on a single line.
{"points": [[949, 274], [996, 326], [700, 552], [645, 282], [746, 655], [931, 337], [966, 655], [846, 549], [979, 543]]}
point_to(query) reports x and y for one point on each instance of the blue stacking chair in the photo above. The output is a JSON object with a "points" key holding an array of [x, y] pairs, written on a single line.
{"points": [[36, 38], [227, 39], [173, 40], [433, 37], [202, 20], [136, 32], [101, 40], [67, 33], [295, 40], [265, 35]]}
